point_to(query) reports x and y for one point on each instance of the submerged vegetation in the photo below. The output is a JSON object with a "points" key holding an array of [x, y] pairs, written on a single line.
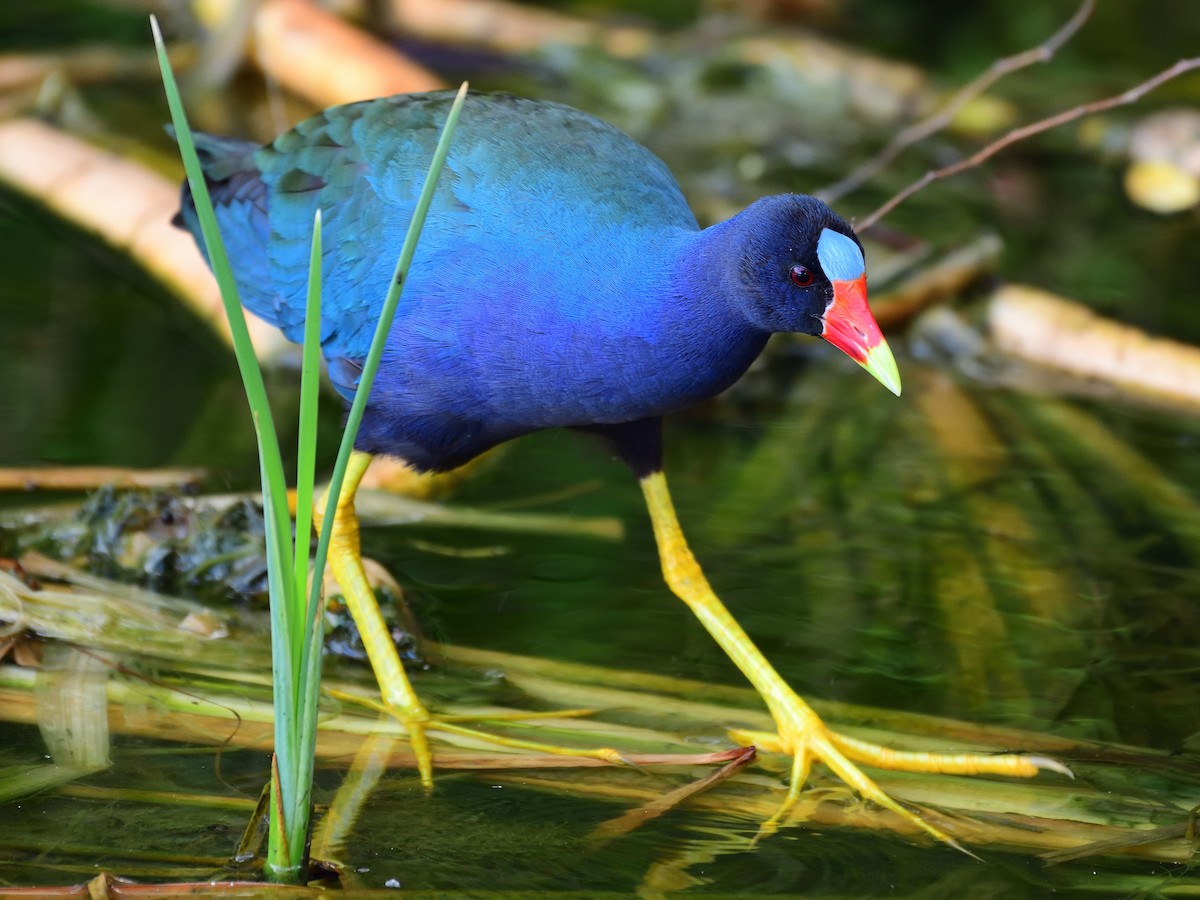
{"points": [[1014, 544]]}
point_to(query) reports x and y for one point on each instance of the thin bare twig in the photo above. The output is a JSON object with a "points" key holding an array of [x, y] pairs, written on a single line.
{"points": [[1042, 53], [635, 818], [1019, 134]]}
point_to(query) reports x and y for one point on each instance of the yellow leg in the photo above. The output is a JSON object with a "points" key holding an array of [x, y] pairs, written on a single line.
{"points": [[345, 560], [399, 698], [802, 735]]}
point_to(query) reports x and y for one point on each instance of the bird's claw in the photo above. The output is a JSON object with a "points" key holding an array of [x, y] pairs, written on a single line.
{"points": [[419, 721], [419, 742], [815, 742], [805, 738]]}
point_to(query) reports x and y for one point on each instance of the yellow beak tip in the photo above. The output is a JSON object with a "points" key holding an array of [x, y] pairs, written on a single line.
{"points": [[880, 363]]}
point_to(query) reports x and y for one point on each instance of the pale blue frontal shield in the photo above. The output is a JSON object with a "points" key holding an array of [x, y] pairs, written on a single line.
{"points": [[840, 257]]}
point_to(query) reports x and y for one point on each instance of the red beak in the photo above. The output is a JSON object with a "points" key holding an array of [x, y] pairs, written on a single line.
{"points": [[851, 328]]}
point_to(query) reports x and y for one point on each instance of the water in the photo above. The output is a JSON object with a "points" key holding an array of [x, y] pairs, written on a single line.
{"points": [[1034, 585]]}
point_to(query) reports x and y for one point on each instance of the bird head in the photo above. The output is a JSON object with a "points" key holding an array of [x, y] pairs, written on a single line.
{"points": [[802, 268]]}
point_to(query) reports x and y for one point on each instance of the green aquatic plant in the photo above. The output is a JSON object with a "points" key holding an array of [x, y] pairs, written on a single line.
{"points": [[294, 582]]}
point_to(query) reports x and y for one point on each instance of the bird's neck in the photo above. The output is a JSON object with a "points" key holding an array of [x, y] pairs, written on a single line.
{"points": [[702, 319], [710, 272]]}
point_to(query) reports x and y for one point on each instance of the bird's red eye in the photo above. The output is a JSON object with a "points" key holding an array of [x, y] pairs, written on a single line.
{"points": [[801, 276]]}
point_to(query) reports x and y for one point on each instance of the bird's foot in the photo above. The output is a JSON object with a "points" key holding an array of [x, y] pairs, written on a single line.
{"points": [[805, 738], [397, 477], [419, 723]]}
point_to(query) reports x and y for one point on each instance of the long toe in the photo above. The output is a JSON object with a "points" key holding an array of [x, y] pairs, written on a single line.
{"points": [[805, 738]]}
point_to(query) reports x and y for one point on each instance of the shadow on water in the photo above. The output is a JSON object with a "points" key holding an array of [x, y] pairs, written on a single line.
{"points": [[966, 551]]}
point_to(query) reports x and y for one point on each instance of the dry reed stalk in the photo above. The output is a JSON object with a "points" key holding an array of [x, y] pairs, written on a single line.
{"points": [[86, 478], [125, 204], [1040, 327], [511, 27], [311, 52]]}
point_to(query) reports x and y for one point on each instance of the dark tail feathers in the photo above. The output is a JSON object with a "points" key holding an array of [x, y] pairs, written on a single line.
{"points": [[226, 163]]}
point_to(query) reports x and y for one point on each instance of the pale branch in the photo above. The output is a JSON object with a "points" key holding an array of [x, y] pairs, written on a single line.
{"points": [[1132, 95], [1042, 53]]}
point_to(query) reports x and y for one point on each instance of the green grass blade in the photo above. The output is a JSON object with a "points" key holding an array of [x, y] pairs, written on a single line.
{"points": [[292, 770], [289, 786], [391, 301], [307, 637], [252, 380], [308, 712], [296, 633], [306, 444]]}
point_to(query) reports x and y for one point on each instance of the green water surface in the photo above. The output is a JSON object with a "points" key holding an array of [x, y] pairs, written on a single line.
{"points": [[825, 513]]}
